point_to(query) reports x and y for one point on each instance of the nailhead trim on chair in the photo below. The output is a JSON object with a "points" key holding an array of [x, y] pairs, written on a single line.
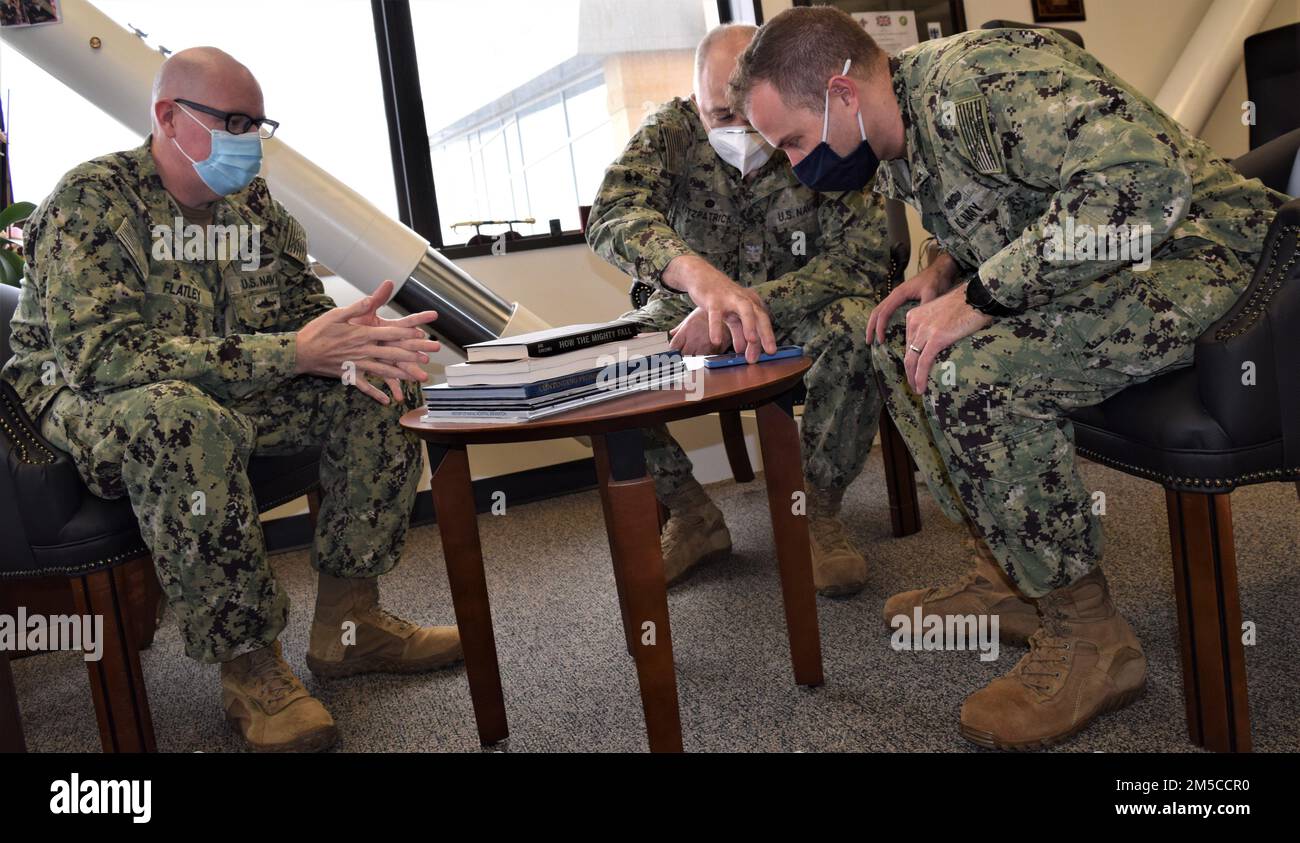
{"points": [[893, 267], [28, 437], [77, 569], [1255, 307], [1261, 296], [1193, 482]]}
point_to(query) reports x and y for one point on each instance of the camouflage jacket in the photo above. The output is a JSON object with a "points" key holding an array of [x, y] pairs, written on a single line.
{"points": [[1011, 131], [670, 194], [105, 305]]}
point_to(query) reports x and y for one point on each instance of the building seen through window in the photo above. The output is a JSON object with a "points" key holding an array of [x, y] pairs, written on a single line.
{"points": [[529, 115]]}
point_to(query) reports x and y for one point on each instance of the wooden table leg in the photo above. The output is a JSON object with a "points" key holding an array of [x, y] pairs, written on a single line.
{"points": [[453, 501], [779, 440], [900, 479], [601, 454], [733, 441], [632, 522]]}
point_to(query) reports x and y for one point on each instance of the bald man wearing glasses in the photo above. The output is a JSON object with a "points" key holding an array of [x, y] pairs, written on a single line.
{"points": [[170, 328]]}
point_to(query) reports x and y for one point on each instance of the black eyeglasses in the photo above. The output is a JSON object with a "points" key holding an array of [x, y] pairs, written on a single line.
{"points": [[236, 122]]}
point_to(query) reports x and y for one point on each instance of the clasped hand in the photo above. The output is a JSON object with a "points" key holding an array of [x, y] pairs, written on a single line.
{"points": [[389, 349]]}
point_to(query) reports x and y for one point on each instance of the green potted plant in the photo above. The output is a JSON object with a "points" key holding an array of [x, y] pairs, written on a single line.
{"points": [[11, 261]]}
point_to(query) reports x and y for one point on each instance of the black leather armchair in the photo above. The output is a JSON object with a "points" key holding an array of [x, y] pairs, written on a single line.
{"points": [[1231, 419], [59, 538], [1201, 432]]}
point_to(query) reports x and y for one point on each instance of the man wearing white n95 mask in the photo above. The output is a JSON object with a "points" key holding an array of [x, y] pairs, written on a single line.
{"points": [[701, 207]]}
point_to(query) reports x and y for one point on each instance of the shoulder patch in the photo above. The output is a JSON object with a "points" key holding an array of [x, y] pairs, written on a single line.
{"points": [[973, 126], [295, 241], [677, 145], [131, 245]]}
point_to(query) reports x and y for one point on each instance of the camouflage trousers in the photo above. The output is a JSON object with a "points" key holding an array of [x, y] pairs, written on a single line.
{"points": [[181, 456], [991, 433], [840, 413]]}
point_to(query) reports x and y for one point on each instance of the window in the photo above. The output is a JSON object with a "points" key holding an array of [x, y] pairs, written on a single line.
{"points": [[527, 103], [330, 110], [524, 103], [51, 129]]}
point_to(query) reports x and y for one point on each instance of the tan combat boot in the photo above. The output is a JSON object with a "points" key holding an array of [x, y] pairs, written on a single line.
{"points": [[1085, 661], [838, 569], [983, 591], [270, 707], [351, 634], [695, 534]]}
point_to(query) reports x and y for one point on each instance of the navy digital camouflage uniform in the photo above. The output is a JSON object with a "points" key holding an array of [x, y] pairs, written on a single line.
{"points": [[1009, 132], [817, 261], [163, 377]]}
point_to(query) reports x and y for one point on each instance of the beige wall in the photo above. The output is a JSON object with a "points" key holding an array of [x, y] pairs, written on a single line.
{"points": [[1140, 41], [1224, 130], [638, 82]]}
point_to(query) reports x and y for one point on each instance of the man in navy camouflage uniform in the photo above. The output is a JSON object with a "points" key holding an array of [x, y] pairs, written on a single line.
{"points": [[163, 373], [1007, 142]]}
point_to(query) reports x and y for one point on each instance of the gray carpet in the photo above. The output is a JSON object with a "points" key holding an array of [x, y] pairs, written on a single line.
{"points": [[570, 686]]}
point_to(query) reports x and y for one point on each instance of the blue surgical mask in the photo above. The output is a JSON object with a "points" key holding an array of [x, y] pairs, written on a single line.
{"points": [[826, 171], [233, 162]]}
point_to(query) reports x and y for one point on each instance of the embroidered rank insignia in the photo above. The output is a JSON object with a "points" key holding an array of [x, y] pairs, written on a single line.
{"points": [[973, 127], [131, 245]]}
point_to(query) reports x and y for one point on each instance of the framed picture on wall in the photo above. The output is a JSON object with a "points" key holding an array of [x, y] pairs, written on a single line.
{"points": [[17, 13], [898, 24], [1057, 11]]}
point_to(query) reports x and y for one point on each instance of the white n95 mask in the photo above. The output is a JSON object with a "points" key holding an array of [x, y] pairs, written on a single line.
{"points": [[741, 147]]}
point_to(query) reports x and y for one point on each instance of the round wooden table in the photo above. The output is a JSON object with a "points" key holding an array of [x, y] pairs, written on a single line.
{"points": [[632, 522]]}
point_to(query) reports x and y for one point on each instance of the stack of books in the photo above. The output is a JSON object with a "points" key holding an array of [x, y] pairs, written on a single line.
{"points": [[530, 376]]}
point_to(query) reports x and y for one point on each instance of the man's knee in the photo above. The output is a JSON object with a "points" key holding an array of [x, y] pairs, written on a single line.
{"points": [[844, 322], [969, 396], [349, 407], [179, 415], [895, 344], [842, 365]]}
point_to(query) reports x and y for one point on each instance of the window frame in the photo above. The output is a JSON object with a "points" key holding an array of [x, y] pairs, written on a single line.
{"points": [[408, 135]]}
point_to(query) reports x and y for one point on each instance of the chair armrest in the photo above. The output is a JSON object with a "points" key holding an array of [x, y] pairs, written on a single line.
{"points": [[1246, 363], [40, 488], [1272, 162]]}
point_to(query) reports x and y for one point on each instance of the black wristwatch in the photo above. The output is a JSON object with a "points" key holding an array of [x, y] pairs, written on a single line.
{"points": [[978, 297]]}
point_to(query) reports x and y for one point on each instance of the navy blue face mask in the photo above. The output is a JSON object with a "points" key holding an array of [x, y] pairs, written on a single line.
{"points": [[826, 171]]}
